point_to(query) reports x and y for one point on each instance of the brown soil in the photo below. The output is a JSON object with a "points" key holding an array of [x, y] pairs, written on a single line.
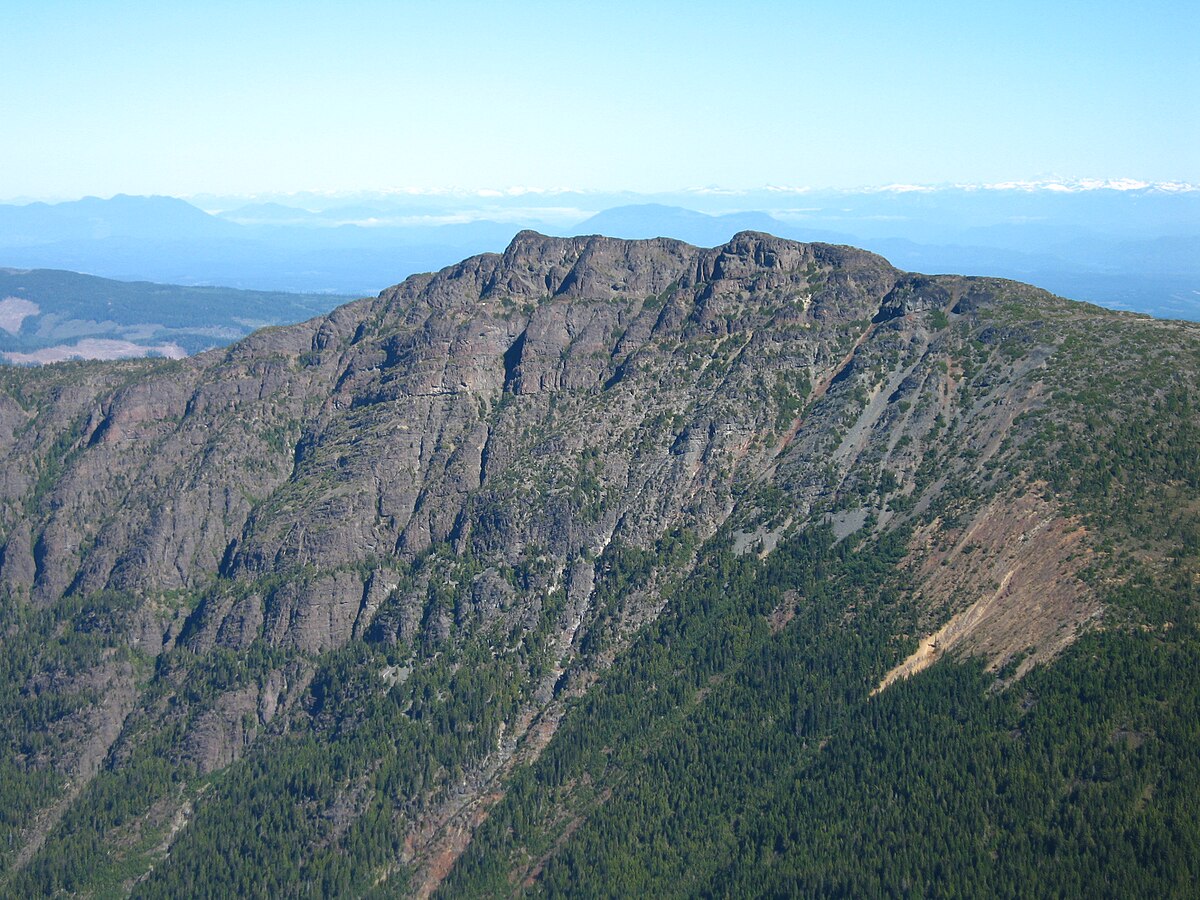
{"points": [[1017, 567]]}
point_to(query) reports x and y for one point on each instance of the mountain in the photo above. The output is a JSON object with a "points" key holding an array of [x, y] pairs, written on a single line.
{"points": [[48, 315], [612, 567], [122, 216]]}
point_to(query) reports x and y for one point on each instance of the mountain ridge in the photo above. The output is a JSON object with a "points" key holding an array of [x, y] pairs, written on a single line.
{"points": [[444, 513]]}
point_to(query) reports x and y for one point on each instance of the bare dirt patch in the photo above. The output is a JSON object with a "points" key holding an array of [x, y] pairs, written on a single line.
{"points": [[95, 348], [14, 311], [1016, 566]]}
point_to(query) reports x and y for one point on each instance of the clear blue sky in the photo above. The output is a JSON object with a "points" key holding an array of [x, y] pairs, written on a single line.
{"points": [[182, 98]]}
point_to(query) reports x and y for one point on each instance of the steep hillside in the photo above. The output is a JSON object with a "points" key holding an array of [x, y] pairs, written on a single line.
{"points": [[584, 566]]}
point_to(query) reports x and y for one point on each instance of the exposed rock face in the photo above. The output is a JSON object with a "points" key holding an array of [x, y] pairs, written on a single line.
{"points": [[399, 423], [452, 458]]}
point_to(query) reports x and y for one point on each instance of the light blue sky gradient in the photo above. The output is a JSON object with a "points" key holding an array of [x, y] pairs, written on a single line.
{"points": [[184, 98]]}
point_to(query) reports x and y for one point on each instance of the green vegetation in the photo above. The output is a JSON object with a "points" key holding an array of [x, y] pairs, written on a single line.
{"points": [[719, 758], [691, 695], [53, 666]]}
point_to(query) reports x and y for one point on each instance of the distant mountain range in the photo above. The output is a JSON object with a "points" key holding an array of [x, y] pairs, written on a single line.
{"points": [[163, 239], [1120, 244]]}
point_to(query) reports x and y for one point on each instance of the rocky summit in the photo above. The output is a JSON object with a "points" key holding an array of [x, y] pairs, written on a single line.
{"points": [[611, 567]]}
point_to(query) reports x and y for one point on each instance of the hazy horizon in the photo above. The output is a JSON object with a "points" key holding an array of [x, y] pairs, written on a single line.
{"points": [[1040, 184]]}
